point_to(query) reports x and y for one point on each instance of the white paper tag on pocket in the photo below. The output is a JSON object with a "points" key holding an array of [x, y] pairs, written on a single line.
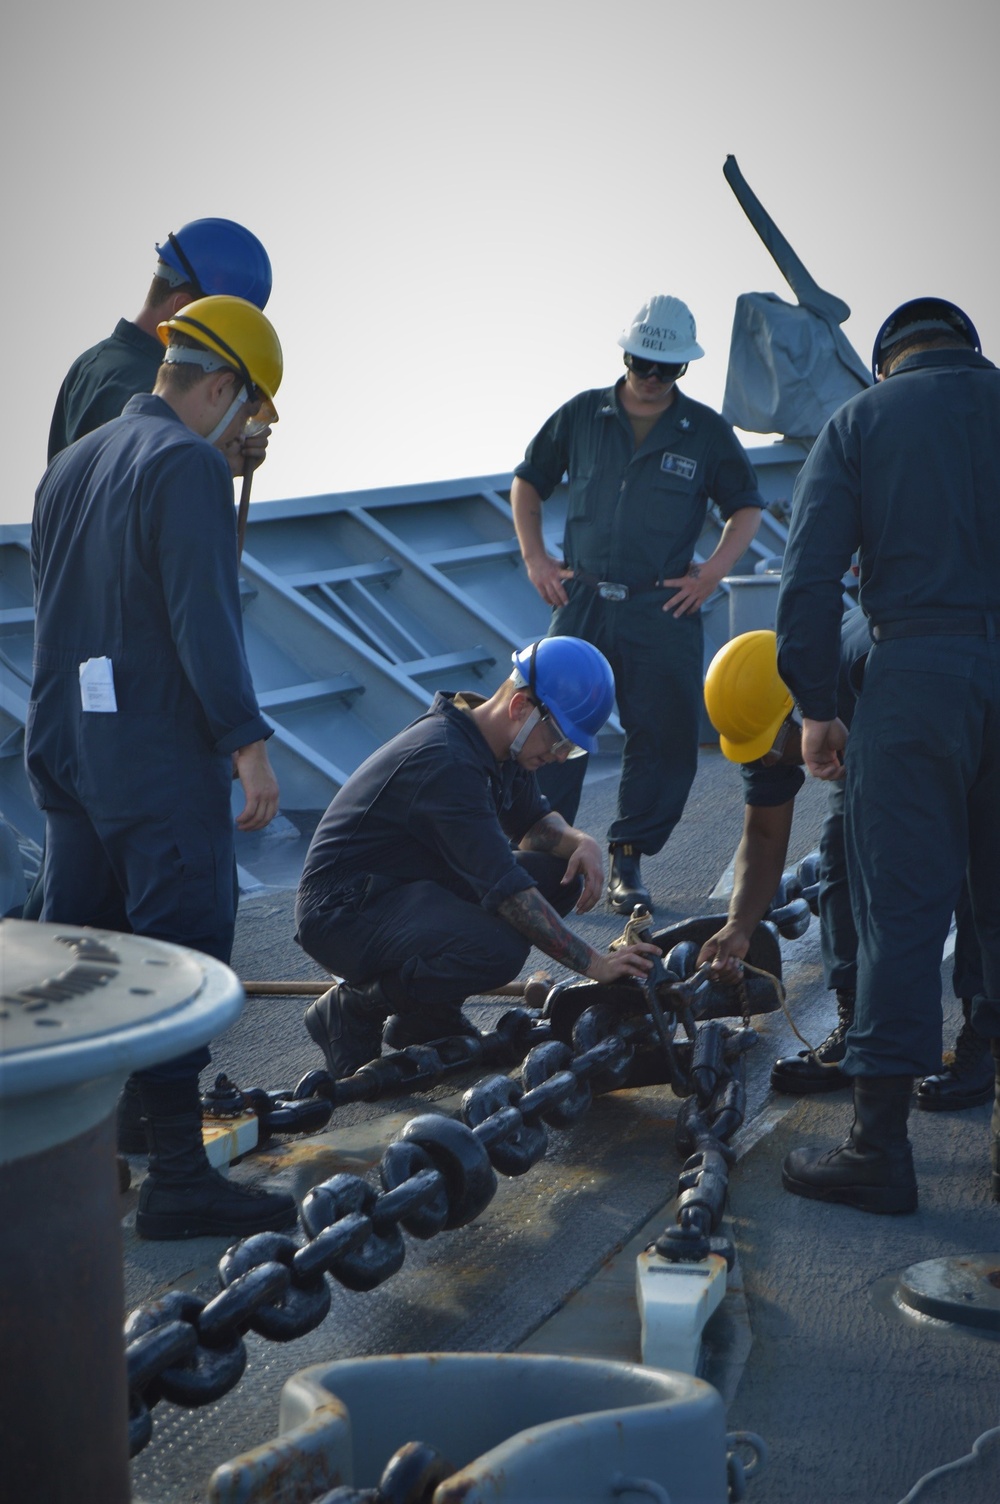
{"points": [[97, 685]]}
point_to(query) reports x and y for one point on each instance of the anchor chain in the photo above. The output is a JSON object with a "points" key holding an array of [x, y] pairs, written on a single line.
{"points": [[308, 1106], [411, 1476], [713, 1109], [440, 1172]]}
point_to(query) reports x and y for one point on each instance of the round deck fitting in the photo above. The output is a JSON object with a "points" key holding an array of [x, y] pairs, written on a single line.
{"points": [[82, 1008], [964, 1289]]}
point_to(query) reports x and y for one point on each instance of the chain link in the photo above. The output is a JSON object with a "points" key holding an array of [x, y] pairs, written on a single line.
{"points": [[440, 1173]]}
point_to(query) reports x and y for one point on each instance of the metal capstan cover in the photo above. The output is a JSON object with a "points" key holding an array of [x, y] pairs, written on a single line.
{"points": [[789, 368]]}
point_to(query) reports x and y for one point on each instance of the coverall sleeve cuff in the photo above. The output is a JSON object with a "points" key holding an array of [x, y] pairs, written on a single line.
{"points": [[815, 711], [734, 504], [517, 880], [535, 477], [256, 730]]}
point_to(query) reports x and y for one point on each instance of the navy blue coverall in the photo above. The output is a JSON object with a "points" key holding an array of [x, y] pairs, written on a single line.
{"points": [[133, 552], [771, 786], [95, 389], [411, 861], [635, 516], [101, 380], [908, 474]]}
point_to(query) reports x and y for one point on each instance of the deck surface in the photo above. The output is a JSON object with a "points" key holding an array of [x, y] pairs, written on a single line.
{"points": [[854, 1400]]}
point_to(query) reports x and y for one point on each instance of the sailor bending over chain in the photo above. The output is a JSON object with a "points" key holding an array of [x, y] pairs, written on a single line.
{"points": [[439, 863], [752, 710]]}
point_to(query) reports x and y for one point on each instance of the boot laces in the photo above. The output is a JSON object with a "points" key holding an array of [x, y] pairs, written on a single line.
{"points": [[845, 1017], [833, 1040]]}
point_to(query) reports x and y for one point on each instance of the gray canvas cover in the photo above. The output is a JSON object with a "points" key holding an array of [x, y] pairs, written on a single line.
{"points": [[789, 368]]}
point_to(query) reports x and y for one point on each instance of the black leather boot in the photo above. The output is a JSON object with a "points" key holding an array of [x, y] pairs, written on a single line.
{"points": [[625, 885], [995, 1123], [182, 1196], [968, 1081], [130, 1129], [421, 1025], [801, 1074], [346, 1023], [873, 1169]]}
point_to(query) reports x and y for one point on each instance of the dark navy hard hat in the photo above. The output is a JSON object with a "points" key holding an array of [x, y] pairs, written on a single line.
{"points": [[935, 315], [572, 680], [219, 256]]}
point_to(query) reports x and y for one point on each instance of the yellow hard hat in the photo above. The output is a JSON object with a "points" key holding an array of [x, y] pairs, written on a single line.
{"points": [[745, 699], [238, 332]]}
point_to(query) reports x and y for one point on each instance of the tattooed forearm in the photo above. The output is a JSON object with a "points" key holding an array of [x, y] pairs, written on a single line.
{"points": [[534, 918], [547, 834]]}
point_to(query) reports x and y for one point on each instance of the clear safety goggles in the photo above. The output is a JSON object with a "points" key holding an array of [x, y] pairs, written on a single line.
{"points": [[254, 427], [559, 745]]}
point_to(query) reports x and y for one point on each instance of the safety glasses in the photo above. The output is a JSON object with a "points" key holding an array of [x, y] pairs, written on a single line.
{"points": [[559, 745], [540, 715], [662, 370]]}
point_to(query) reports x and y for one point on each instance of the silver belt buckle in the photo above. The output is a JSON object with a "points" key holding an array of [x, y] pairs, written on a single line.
{"points": [[610, 590]]}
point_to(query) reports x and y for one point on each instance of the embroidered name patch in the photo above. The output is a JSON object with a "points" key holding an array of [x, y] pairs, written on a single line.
{"points": [[678, 464]]}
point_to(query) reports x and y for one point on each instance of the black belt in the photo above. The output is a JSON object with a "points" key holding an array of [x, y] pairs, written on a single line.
{"points": [[937, 626], [612, 590]]}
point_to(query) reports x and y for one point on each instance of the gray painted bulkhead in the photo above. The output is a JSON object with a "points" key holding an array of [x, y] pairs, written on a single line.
{"points": [[358, 606]]}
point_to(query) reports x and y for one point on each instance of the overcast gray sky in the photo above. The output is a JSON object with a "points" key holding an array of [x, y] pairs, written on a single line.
{"points": [[464, 202]]}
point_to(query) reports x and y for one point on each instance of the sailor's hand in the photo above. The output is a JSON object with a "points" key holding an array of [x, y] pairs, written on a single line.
{"points": [[692, 590], [260, 787], [246, 452], [823, 744], [255, 450], [631, 961], [724, 952], [547, 575], [586, 862]]}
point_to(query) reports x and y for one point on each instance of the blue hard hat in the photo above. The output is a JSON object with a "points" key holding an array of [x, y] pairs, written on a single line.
{"points": [[572, 681], [936, 315], [219, 256]]}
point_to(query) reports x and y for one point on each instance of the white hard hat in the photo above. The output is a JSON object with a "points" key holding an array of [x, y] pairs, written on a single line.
{"points": [[662, 330]]}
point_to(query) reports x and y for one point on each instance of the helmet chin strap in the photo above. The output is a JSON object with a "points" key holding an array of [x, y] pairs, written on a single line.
{"points": [[525, 731], [230, 414]]}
